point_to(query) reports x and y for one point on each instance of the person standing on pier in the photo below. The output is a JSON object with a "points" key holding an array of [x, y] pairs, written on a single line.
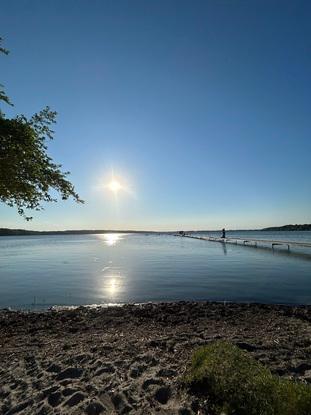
{"points": [[223, 233]]}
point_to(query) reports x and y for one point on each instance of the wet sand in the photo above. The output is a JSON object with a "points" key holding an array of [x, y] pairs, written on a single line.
{"points": [[130, 359]]}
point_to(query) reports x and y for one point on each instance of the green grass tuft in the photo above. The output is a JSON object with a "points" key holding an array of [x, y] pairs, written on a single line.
{"points": [[235, 383]]}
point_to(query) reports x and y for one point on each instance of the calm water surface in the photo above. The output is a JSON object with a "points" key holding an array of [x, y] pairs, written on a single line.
{"points": [[40, 271]]}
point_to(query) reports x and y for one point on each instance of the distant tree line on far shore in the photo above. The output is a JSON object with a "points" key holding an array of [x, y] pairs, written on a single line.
{"points": [[21, 232], [305, 227]]}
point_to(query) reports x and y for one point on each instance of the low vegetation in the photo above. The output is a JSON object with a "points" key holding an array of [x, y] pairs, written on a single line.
{"points": [[233, 383]]}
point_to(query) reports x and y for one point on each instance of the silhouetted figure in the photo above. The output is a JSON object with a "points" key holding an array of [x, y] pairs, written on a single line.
{"points": [[223, 233]]}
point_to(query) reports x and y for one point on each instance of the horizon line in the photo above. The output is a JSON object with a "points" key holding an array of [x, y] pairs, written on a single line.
{"points": [[134, 230]]}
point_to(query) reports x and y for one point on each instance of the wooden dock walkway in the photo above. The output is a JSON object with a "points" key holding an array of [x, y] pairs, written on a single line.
{"points": [[251, 241]]}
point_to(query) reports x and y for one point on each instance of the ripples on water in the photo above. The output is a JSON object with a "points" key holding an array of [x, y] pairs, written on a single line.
{"points": [[40, 271]]}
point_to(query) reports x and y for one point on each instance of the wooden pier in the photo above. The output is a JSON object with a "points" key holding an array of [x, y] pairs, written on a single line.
{"points": [[251, 242]]}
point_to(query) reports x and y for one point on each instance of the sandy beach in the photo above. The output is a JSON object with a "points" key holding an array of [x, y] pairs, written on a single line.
{"points": [[131, 359]]}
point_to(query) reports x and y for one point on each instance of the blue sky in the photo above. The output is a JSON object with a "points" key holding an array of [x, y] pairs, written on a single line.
{"points": [[202, 108]]}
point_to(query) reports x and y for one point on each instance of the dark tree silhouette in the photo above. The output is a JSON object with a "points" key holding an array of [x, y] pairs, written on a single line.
{"points": [[27, 173]]}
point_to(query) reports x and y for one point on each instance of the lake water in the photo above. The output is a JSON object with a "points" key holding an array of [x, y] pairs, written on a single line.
{"points": [[41, 271]]}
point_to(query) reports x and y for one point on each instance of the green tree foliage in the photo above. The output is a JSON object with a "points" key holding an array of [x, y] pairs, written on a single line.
{"points": [[27, 174]]}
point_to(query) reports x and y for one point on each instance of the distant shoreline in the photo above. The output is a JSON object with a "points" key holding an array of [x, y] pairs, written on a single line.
{"points": [[23, 232], [304, 227]]}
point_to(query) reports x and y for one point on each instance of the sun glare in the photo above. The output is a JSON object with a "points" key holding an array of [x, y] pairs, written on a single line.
{"points": [[111, 238], [114, 186]]}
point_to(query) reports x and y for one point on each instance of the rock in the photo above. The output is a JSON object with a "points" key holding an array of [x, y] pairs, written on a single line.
{"points": [[94, 408], [54, 398], [163, 394], [75, 399], [70, 373]]}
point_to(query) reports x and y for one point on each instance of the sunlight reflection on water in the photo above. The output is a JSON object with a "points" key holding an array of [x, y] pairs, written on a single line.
{"points": [[112, 285], [111, 239]]}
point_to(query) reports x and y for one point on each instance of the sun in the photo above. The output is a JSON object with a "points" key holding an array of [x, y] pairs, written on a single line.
{"points": [[114, 186]]}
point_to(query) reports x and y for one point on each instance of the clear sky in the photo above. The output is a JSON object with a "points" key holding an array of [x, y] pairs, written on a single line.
{"points": [[201, 108]]}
